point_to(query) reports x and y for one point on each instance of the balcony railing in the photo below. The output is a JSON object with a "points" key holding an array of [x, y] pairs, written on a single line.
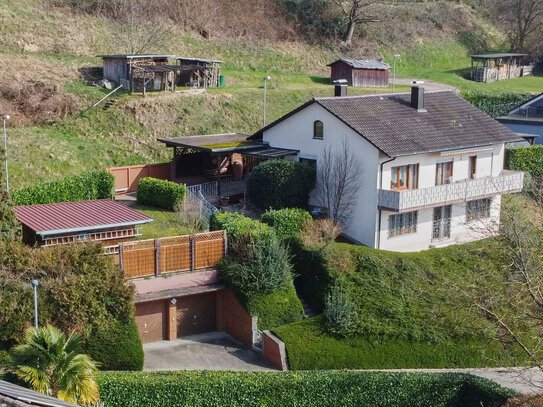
{"points": [[399, 201]]}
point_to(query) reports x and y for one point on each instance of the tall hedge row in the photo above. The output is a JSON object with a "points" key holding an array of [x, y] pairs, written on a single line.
{"points": [[280, 184], [88, 185], [495, 104], [160, 193], [527, 159], [300, 389]]}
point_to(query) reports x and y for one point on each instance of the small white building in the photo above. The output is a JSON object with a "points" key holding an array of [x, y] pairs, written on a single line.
{"points": [[431, 164]]}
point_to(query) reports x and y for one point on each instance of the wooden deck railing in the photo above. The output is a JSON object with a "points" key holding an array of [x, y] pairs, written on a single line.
{"points": [[147, 258]]}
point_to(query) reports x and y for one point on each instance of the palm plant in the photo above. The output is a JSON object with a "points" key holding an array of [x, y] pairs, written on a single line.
{"points": [[51, 364]]}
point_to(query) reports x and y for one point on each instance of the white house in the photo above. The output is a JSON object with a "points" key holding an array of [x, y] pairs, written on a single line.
{"points": [[431, 164]]}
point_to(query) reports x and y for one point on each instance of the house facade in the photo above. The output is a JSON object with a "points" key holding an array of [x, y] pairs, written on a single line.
{"points": [[430, 164]]}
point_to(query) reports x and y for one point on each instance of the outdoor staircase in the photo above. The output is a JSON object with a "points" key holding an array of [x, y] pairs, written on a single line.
{"points": [[109, 104]]}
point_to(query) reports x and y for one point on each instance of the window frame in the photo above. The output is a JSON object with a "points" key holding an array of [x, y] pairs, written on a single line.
{"points": [[315, 124], [472, 167], [471, 215], [410, 168], [397, 224], [442, 165]]}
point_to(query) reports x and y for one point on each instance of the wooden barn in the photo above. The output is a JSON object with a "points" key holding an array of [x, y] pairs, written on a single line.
{"points": [[360, 72]]}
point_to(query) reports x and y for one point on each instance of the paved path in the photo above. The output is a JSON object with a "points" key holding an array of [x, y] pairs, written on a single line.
{"points": [[210, 351], [428, 85], [523, 380]]}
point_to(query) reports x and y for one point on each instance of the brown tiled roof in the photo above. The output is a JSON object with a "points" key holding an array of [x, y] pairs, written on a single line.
{"points": [[73, 217], [393, 126]]}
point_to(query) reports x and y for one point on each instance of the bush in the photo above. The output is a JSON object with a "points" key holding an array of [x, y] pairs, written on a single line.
{"points": [[116, 345], [264, 267], [301, 389], [310, 346], [80, 290], [495, 104], [160, 193], [280, 184], [89, 185], [527, 159], [239, 228], [340, 313], [286, 222]]}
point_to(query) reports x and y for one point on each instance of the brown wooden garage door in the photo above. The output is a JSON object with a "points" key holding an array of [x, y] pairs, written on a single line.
{"points": [[196, 314], [151, 319]]}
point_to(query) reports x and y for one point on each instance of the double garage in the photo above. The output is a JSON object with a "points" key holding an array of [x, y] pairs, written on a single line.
{"points": [[173, 314]]}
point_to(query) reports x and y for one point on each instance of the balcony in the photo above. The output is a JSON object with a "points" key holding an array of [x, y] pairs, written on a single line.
{"points": [[467, 190]]}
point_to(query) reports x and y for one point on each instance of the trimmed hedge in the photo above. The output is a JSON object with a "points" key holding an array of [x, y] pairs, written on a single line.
{"points": [[238, 226], [286, 222], [309, 347], [495, 104], [300, 389], [278, 184], [116, 346], [527, 159], [160, 193], [88, 185]]}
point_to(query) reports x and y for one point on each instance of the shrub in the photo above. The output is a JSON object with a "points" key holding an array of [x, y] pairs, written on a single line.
{"points": [[286, 222], [264, 267], [527, 159], [340, 313], [116, 345], [280, 184], [240, 229], [301, 389], [160, 193], [310, 346], [495, 105], [89, 185]]}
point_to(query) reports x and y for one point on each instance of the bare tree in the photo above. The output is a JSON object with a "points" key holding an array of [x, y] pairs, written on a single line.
{"points": [[338, 181], [356, 12], [523, 18], [140, 27]]}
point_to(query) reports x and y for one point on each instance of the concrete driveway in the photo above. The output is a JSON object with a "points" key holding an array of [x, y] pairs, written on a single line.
{"points": [[209, 351]]}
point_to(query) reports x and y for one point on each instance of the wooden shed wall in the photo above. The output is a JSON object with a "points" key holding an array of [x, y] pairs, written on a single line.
{"points": [[116, 69], [341, 70], [370, 77]]}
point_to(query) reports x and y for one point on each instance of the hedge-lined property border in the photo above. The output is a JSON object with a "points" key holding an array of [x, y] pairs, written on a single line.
{"points": [[160, 193], [300, 389], [527, 159]]}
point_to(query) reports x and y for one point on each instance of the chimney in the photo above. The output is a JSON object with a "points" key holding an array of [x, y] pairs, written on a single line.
{"points": [[417, 96], [340, 88]]}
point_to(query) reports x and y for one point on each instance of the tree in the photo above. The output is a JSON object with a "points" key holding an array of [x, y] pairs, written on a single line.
{"points": [[338, 182], [9, 226], [356, 12], [140, 25], [523, 18], [51, 364]]}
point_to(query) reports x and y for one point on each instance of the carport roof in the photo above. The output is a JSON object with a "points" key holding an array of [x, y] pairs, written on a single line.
{"points": [[177, 292]]}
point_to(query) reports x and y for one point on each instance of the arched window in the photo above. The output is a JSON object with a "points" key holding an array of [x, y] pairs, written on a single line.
{"points": [[318, 130]]}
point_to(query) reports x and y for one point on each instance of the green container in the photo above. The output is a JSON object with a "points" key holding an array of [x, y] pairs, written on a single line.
{"points": [[221, 80]]}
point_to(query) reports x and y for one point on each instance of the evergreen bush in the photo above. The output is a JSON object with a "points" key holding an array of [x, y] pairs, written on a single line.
{"points": [[495, 104], [287, 222], [341, 317], [278, 184], [527, 159], [88, 185], [160, 193]]}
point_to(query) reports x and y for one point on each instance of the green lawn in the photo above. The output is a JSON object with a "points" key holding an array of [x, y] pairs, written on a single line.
{"points": [[166, 223]]}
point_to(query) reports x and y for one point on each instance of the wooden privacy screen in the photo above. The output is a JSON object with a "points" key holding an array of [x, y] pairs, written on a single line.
{"points": [[144, 258], [126, 178]]}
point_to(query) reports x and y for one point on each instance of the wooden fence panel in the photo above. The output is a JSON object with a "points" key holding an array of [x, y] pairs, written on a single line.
{"points": [[126, 178], [139, 258], [209, 248], [175, 254]]}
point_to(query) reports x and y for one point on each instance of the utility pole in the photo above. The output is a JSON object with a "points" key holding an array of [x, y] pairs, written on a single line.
{"points": [[396, 56], [35, 284], [4, 119], [266, 79]]}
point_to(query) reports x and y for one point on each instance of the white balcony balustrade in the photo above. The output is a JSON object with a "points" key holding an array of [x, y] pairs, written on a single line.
{"points": [[461, 191]]}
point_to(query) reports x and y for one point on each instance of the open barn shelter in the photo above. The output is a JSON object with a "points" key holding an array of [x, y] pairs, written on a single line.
{"points": [[497, 67], [226, 158], [360, 72], [199, 73]]}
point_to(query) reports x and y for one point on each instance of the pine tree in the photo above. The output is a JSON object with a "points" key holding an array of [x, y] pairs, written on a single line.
{"points": [[9, 226]]}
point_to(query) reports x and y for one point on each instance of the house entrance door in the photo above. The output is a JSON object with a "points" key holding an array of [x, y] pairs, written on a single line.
{"points": [[442, 222]]}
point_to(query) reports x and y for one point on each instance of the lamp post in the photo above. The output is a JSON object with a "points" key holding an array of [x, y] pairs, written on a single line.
{"points": [[266, 79], [396, 56], [4, 119], [35, 284]]}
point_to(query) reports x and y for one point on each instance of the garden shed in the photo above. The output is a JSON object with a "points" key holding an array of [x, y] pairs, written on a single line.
{"points": [[199, 73], [67, 222], [360, 72], [496, 67]]}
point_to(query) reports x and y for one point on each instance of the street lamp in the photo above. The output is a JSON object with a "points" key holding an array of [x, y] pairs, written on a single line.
{"points": [[4, 119], [396, 56], [35, 284], [266, 79]]}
